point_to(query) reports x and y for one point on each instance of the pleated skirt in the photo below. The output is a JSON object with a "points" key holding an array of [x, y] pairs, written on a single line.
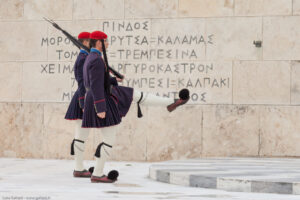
{"points": [[117, 106], [74, 111]]}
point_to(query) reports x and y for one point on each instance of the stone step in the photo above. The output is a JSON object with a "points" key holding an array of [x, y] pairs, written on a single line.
{"points": [[262, 175]]}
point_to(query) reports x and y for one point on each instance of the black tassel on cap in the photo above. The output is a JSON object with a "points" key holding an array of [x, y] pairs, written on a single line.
{"points": [[139, 107], [106, 77]]}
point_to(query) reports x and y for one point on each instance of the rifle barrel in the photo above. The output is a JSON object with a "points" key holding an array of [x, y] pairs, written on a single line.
{"points": [[80, 45]]}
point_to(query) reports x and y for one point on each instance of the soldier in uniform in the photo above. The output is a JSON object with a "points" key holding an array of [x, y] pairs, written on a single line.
{"points": [[76, 108], [106, 102]]}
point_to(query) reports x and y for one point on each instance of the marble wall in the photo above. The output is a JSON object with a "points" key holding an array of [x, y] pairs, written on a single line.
{"points": [[244, 98]]}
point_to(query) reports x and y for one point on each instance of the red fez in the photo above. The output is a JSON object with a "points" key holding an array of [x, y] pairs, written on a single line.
{"points": [[84, 35], [98, 35]]}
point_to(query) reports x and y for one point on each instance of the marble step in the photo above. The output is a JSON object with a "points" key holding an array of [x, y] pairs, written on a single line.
{"points": [[261, 175]]}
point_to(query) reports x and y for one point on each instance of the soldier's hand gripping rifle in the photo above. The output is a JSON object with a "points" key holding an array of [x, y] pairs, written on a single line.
{"points": [[80, 45]]}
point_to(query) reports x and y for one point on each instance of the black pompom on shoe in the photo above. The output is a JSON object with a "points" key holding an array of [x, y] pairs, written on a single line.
{"points": [[113, 175], [184, 96]]}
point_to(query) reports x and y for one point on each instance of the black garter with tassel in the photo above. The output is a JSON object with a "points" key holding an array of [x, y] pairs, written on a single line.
{"points": [[139, 107], [72, 145]]}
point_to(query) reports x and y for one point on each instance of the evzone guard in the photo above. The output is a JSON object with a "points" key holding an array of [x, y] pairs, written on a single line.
{"points": [[105, 104], [75, 110]]}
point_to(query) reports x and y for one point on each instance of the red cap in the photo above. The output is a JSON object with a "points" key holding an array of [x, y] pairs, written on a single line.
{"points": [[84, 35], [98, 35]]}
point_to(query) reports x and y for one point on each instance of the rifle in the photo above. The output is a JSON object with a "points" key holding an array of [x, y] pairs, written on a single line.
{"points": [[80, 45]]}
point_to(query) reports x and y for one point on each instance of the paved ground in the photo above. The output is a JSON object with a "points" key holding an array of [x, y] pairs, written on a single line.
{"points": [[264, 175], [52, 179]]}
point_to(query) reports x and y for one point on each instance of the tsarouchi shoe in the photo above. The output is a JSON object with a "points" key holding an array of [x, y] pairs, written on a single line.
{"points": [[82, 174], [184, 96]]}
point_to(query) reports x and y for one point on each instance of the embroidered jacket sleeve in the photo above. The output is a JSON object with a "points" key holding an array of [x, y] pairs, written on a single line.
{"points": [[96, 76], [80, 83]]}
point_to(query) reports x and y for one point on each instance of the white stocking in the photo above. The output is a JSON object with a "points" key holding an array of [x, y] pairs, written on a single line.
{"points": [[105, 148], [151, 99], [79, 147]]}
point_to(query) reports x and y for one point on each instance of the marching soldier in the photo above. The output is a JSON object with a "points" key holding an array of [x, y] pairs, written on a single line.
{"points": [[76, 108], [106, 102]]}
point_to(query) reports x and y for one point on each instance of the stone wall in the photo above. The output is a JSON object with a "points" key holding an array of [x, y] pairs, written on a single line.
{"points": [[244, 99]]}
